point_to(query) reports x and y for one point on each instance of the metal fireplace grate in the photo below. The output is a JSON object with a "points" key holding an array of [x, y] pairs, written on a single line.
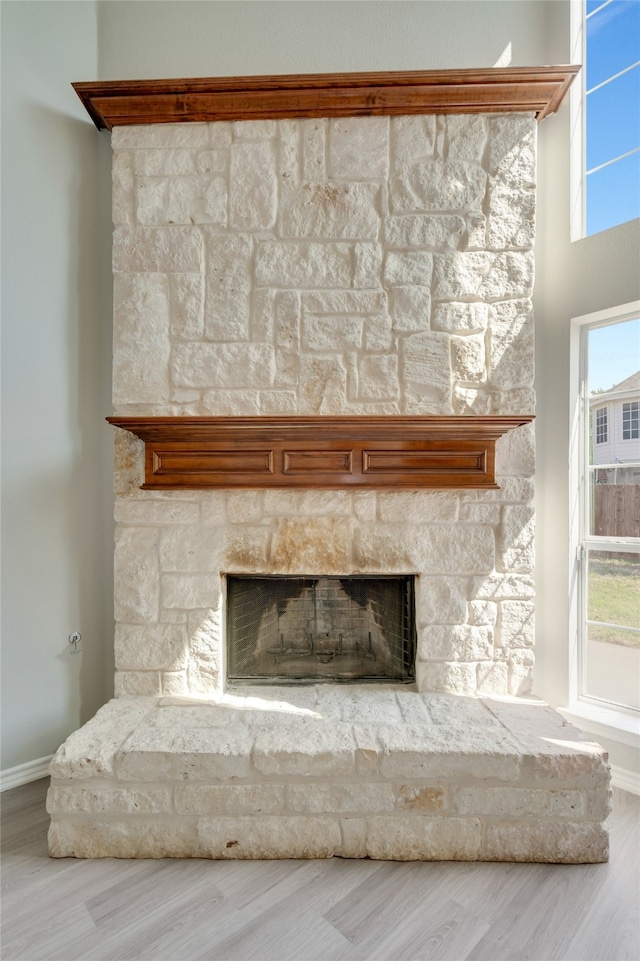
{"points": [[311, 629]]}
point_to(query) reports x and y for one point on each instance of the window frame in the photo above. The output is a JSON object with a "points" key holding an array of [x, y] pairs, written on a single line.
{"points": [[601, 433], [581, 540], [633, 425]]}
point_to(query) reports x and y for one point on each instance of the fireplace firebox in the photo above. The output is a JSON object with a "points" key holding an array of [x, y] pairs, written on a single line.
{"points": [[313, 629]]}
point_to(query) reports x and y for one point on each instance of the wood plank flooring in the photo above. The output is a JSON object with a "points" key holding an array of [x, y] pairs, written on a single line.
{"points": [[335, 910]]}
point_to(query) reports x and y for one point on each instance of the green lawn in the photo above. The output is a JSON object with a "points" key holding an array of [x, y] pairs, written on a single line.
{"points": [[614, 596]]}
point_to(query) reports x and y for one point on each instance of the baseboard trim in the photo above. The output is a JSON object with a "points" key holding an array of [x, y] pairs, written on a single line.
{"points": [[24, 773], [625, 780]]}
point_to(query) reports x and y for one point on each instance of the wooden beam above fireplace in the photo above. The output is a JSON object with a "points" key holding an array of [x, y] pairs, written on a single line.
{"points": [[538, 90], [433, 452]]}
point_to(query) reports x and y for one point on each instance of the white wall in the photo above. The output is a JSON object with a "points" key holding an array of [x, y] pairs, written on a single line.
{"points": [[177, 38], [57, 536]]}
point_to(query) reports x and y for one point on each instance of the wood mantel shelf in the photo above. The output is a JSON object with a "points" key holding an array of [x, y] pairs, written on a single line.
{"points": [[435, 452], [538, 90]]}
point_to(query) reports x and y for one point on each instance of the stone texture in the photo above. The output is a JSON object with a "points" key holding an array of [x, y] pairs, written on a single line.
{"points": [[229, 799], [311, 545], [482, 275], [359, 144], [430, 549], [461, 318], [158, 646], [511, 353], [141, 346], [253, 186], [136, 575], [228, 290], [436, 184], [461, 642], [562, 842], [186, 299], [425, 370], [425, 230], [141, 838], [410, 308], [181, 200], [161, 249], [303, 264], [423, 839], [269, 837], [223, 365], [331, 210]]}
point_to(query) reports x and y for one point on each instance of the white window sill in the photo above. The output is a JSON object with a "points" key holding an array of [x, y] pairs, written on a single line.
{"points": [[622, 726]]}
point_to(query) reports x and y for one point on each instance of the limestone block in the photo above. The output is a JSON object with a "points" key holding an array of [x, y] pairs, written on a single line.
{"points": [[164, 162], [479, 513], [282, 502], [476, 231], [313, 135], [516, 451], [512, 146], [408, 267], [425, 230], [416, 797], [338, 503], [189, 549], [470, 401], [453, 712], [425, 370], [137, 684], [502, 586], [482, 275], [306, 750], [290, 151], [416, 751], [323, 385], [435, 549], [220, 133], [410, 307], [461, 318], [518, 802], [245, 549], [511, 353], [261, 320], [174, 682], [244, 507], [254, 129], [466, 136], [468, 358], [109, 800], [122, 188], [252, 185], [520, 676], [186, 298], [149, 837], [365, 505], [454, 678], [423, 839], [150, 647], [221, 799], [188, 591], [417, 507], [146, 512], [368, 265], [332, 211], [354, 837], [344, 302], [514, 401], [366, 751], [343, 798], [303, 264], [310, 545], [223, 365], [172, 135], [231, 403], [431, 185], [212, 506], [269, 837], [512, 210], [520, 489], [205, 650], [331, 333], [412, 138], [561, 842], [378, 333], [160, 249], [199, 754], [287, 319], [228, 288], [278, 402], [441, 600], [378, 377], [516, 552], [460, 642], [181, 200], [212, 161], [136, 574], [482, 612], [88, 752], [492, 677], [359, 147], [141, 346], [517, 624]]}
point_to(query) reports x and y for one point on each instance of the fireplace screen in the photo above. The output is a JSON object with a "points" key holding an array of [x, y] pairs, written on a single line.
{"points": [[311, 629]]}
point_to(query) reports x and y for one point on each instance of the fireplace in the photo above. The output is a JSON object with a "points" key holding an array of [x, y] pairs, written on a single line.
{"points": [[298, 261], [290, 630]]}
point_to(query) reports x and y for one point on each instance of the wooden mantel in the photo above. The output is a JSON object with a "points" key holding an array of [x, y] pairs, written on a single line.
{"points": [[538, 90], [435, 452]]}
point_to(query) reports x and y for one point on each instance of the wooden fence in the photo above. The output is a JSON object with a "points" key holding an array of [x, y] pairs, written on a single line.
{"points": [[617, 510]]}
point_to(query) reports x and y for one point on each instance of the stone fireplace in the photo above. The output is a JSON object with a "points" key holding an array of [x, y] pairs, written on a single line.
{"points": [[325, 266]]}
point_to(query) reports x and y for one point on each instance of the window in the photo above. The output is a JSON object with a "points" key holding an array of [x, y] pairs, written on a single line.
{"points": [[606, 114], [631, 420], [601, 426], [606, 528]]}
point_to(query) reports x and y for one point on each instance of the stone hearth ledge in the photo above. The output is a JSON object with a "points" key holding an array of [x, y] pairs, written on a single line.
{"points": [[385, 773]]}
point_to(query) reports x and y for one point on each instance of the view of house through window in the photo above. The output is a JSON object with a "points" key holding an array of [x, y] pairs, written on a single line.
{"points": [[612, 93], [610, 542]]}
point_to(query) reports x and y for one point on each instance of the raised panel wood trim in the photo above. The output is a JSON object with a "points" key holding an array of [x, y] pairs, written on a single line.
{"points": [[539, 90], [436, 452]]}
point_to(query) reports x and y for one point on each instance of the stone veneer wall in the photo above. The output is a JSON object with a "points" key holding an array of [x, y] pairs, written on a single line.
{"points": [[352, 266]]}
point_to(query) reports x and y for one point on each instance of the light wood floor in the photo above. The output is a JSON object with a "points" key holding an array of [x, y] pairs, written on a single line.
{"points": [[336, 910]]}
